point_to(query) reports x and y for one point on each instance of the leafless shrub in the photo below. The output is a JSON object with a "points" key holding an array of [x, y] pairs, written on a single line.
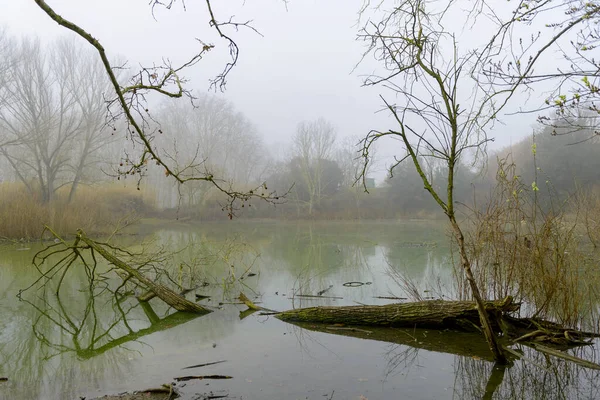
{"points": [[534, 254]]}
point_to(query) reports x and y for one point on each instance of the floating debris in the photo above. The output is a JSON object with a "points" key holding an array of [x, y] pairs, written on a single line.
{"points": [[322, 292], [201, 377], [417, 244], [390, 298], [312, 296], [205, 364], [356, 283]]}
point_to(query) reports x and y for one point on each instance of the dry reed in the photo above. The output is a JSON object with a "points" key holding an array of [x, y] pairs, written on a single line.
{"points": [[96, 209], [534, 253]]}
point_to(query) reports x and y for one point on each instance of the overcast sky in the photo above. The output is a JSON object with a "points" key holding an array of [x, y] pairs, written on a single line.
{"points": [[301, 69]]}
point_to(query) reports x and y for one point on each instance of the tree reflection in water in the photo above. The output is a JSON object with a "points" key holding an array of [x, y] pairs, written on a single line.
{"points": [[94, 339], [536, 376], [91, 334], [533, 376], [79, 312]]}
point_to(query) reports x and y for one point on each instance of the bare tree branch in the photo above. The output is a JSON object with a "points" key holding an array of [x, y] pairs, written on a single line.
{"points": [[165, 80]]}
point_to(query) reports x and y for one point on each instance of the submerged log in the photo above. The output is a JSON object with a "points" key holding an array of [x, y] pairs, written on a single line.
{"points": [[173, 299], [437, 314]]}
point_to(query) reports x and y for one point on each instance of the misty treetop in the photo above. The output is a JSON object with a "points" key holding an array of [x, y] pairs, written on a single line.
{"points": [[57, 133], [54, 137], [52, 115]]}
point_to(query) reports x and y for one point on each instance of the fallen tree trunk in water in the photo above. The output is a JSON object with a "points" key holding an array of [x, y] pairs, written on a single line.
{"points": [[176, 301], [442, 315], [437, 314]]}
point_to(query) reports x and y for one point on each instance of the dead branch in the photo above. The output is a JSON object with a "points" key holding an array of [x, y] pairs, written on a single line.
{"points": [[168, 296]]}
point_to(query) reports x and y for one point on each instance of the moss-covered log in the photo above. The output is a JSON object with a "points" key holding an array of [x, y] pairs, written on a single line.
{"points": [[438, 314]]}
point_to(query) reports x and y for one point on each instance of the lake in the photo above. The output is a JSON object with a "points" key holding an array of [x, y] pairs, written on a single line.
{"points": [[85, 344]]}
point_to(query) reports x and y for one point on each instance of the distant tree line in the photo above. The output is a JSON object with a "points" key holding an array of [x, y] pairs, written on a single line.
{"points": [[558, 161], [54, 137]]}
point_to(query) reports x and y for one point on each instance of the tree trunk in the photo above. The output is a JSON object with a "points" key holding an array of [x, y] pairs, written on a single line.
{"points": [[78, 175], [486, 326], [173, 299], [73, 189], [437, 314]]}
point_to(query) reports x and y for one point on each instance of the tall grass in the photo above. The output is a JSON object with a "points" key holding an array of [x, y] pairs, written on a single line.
{"points": [[96, 209]]}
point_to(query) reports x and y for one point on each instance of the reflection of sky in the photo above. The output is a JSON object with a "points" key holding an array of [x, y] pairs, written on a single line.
{"points": [[267, 358]]}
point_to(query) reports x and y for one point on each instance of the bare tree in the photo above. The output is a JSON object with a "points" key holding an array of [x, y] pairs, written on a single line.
{"points": [[85, 79], [547, 45], [214, 136], [131, 102], [227, 139], [8, 60], [56, 120], [431, 122], [41, 116], [348, 156], [313, 145]]}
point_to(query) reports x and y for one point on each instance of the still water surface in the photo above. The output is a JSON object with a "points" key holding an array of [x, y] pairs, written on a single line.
{"points": [[82, 345]]}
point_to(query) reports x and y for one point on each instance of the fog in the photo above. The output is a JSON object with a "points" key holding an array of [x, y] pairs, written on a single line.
{"points": [[300, 65], [302, 68], [340, 136]]}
